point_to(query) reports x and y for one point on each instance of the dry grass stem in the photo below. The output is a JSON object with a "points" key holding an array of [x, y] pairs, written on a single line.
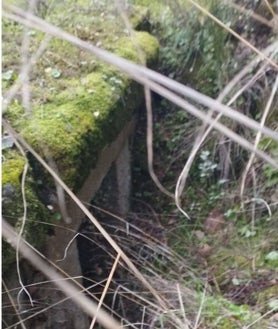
{"points": [[258, 136], [69, 289], [270, 8], [43, 310], [107, 284], [21, 321], [250, 13], [203, 134], [164, 303], [198, 317], [248, 44], [22, 226], [86, 212]]}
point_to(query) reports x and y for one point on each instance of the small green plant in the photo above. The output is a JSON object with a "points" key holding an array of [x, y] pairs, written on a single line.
{"points": [[206, 166], [247, 231], [220, 313], [232, 213], [215, 194], [8, 78], [271, 175], [272, 258]]}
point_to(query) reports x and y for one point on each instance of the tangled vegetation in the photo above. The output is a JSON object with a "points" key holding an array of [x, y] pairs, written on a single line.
{"points": [[220, 268]]}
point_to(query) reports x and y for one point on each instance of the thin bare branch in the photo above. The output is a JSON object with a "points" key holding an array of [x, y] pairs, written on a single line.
{"points": [[25, 68]]}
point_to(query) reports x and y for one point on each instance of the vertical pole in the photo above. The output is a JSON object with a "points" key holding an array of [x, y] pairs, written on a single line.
{"points": [[123, 172]]}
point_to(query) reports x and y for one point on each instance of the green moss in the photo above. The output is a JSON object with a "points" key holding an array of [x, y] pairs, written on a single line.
{"points": [[14, 112], [149, 45], [152, 4], [76, 131], [87, 115], [12, 169], [12, 205], [76, 112], [139, 18], [130, 48]]}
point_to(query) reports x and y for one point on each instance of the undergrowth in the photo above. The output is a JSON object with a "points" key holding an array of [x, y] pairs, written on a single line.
{"points": [[198, 52], [219, 269]]}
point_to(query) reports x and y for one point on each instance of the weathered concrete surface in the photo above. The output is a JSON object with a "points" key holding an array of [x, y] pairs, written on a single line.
{"points": [[64, 237], [61, 249], [123, 179], [117, 151]]}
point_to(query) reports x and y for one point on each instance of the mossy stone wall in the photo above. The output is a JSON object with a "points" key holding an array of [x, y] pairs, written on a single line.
{"points": [[71, 129], [81, 114]]}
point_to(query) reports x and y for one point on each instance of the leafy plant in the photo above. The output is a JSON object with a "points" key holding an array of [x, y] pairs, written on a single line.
{"points": [[247, 232], [206, 166]]}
